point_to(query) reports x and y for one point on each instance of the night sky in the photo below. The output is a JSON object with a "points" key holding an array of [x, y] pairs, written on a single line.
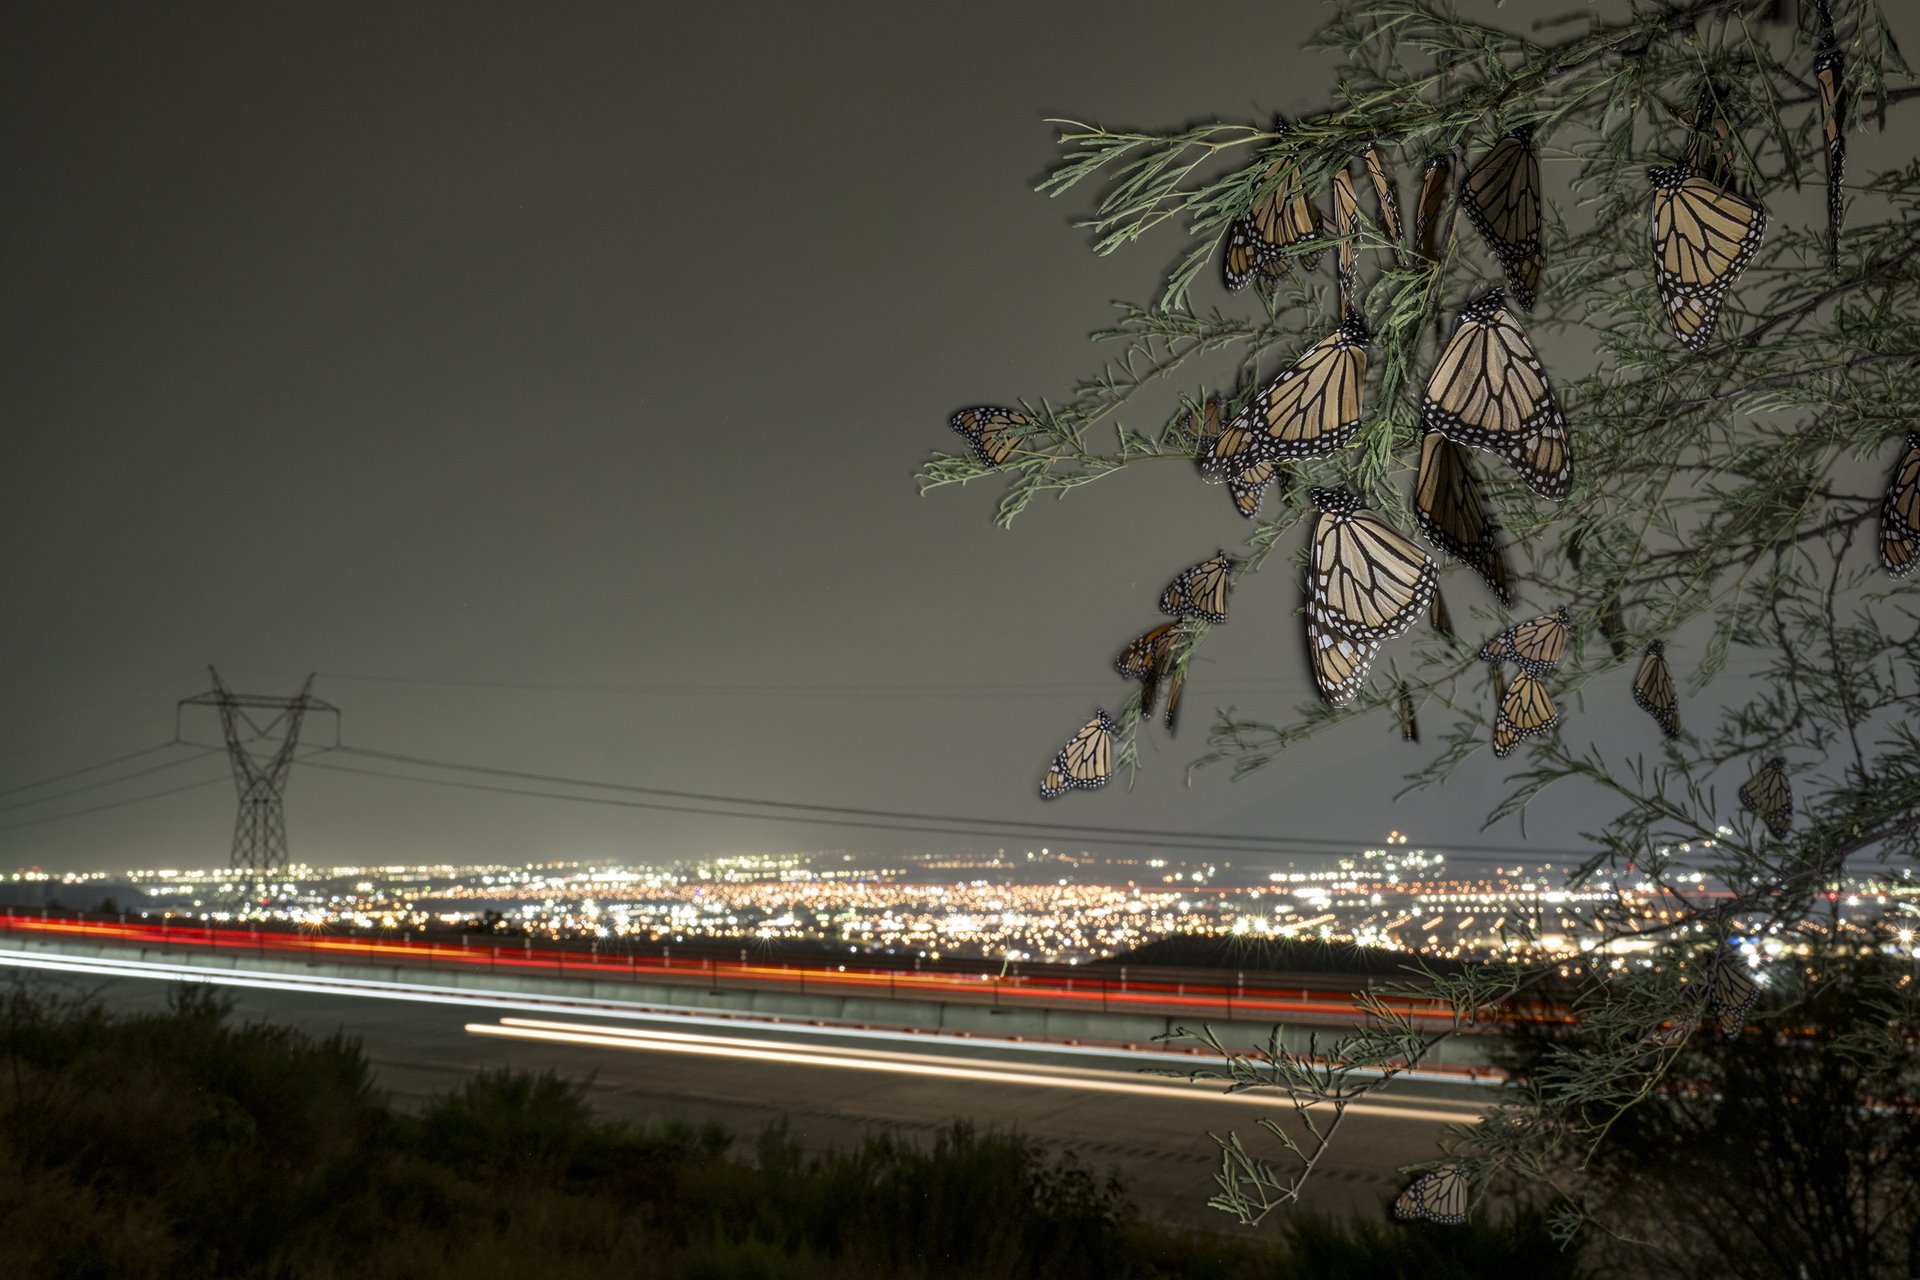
{"points": [[552, 380]]}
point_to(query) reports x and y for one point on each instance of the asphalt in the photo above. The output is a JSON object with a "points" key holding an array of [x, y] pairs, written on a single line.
{"points": [[745, 1076]]}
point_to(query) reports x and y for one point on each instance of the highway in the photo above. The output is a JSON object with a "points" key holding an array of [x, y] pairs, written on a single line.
{"points": [[831, 1084]]}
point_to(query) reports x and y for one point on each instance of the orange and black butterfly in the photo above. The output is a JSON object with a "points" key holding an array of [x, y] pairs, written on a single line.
{"points": [[1249, 487], [1388, 196], [1704, 235], [1282, 216], [1900, 513], [1731, 992], [1307, 412], [1452, 512], [1488, 391], [1439, 1197], [993, 433], [1501, 198], [1438, 618], [1426, 210], [1200, 591], [1768, 794], [1526, 709], [1654, 692], [1535, 645], [1085, 762], [1366, 583], [1149, 659], [1346, 226], [1829, 72]]}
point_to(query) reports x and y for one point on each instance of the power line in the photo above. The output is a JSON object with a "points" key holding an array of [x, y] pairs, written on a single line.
{"points": [[91, 768], [108, 782], [893, 819], [879, 691], [112, 804]]}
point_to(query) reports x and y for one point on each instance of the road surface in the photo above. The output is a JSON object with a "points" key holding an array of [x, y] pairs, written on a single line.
{"points": [[832, 1086]]}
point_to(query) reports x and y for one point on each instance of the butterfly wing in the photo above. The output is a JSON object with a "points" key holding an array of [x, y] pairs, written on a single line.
{"points": [[1900, 513], [1526, 710], [1145, 659], [1703, 238], [1438, 617], [1368, 581], [994, 433], [1653, 690], [1085, 762], [1452, 512], [1769, 794], [1346, 226], [1339, 661], [1386, 193], [1537, 644], [1307, 412], [1439, 1197], [1501, 198], [1250, 486], [1426, 210], [1282, 218], [1488, 391], [1731, 992], [1200, 591]]}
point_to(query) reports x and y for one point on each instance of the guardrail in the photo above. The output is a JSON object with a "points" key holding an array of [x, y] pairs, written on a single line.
{"points": [[1231, 1001]]}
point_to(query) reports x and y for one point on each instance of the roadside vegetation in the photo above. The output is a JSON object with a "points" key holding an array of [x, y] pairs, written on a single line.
{"points": [[184, 1144]]}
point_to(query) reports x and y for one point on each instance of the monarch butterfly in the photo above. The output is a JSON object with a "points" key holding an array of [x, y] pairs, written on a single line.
{"points": [[1250, 486], [1339, 661], [1409, 727], [1438, 617], [1653, 689], [1426, 210], [1536, 644], [1387, 195], [1489, 392], [1526, 709], [1148, 660], [1731, 992], [1703, 238], [1440, 1196], [1367, 580], [1200, 424], [1712, 151], [994, 433], [1900, 513], [1829, 72], [1768, 794], [1200, 591], [1257, 242], [1085, 762], [1613, 628], [1346, 225], [1452, 512], [1307, 412], [1501, 198]]}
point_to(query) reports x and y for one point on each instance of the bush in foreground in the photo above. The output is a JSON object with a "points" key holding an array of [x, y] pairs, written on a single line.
{"points": [[182, 1145]]}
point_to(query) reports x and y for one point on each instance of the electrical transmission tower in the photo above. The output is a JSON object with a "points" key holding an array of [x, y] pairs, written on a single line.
{"points": [[260, 828]]}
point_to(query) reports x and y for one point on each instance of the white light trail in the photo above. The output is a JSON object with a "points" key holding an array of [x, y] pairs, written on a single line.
{"points": [[480, 998], [985, 1070]]}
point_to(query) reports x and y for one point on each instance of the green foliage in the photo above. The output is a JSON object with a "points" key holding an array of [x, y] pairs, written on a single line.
{"points": [[180, 1145], [1725, 501]]}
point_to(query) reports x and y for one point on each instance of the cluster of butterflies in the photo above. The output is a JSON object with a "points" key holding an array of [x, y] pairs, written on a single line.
{"points": [[1487, 392], [1197, 593], [1442, 1195]]}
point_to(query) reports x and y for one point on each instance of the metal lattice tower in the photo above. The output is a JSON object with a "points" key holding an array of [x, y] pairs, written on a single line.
{"points": [[260, 828]]}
